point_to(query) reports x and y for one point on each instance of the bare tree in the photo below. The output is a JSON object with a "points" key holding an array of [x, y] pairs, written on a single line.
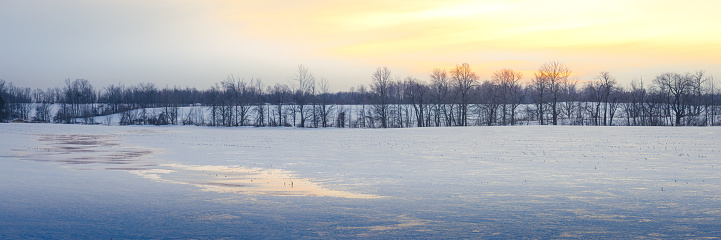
{"points": [[113, 95], [42, 102], [464, 79], [146, 94], [613, 103], [14, 102], [260, 108], [325, 106], [540, 89], [279, 96], [440, 87], [381, 91], [302, 89], [78, 95], [236, 103], [416, 92], [314, 116], [569, 102], [169, 100], [510, 94], [363, 98], [677, 89], [594, 93], [607, 85], [490, 101], [553, 75], [215, 99], [710, 103], [633, 106], [340, 119], [697, 83], [401, 110]]}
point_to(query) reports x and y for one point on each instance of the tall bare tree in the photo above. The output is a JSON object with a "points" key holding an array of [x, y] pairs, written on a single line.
{"points": [[711, 102], [553, 75], [491, 97], [569, 101], [677, 89], [594, 94], [509, 82], [381, 91], [464, 79], [363, 98], [279, 95], [237, 101], [259, 101], [698, 82], [113, 95], [633, 105], [42, 100], [416, 92], [324, 105], [540, 88], [440, 87], [78, 94], [302, 88], [607, 85]]}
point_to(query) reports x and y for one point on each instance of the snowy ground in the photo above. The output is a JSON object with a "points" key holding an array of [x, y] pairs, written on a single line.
{"points": [[75, 181]]}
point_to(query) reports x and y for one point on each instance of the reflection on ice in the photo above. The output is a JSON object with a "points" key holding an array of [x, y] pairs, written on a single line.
{"points": [[91, 151], [236, 179], [101, 152]]}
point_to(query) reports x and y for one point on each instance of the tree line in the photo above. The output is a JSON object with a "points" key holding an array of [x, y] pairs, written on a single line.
{"points": [[448, 97]]}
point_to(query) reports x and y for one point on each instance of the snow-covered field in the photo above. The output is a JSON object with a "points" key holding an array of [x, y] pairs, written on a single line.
{"points": [[76, 181]]}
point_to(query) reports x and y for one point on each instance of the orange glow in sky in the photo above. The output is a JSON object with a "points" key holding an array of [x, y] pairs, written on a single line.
{"points": [[344, 41], [589, 36]]}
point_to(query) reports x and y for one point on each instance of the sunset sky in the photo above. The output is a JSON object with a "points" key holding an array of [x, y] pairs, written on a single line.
{"points": [[198, 43]]}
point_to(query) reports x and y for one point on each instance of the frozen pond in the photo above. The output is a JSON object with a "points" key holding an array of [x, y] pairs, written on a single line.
{"points": [[74, 181]]}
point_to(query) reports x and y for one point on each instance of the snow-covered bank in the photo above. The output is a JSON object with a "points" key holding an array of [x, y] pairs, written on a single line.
{"points": [[493, 182]]}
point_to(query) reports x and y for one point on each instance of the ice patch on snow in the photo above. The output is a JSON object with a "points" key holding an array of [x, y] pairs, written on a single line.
{"points": [[236, 179], [104, 152]]}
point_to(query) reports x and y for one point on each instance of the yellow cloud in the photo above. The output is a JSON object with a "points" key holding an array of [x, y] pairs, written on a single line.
{"points": [[419, 34]]}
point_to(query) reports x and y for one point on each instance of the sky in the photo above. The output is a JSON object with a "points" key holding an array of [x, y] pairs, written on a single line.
{"points": [[194, 43]]}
